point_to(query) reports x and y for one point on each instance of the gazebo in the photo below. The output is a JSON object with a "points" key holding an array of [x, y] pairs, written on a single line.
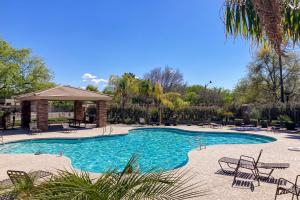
{"points": [[62, 93]]}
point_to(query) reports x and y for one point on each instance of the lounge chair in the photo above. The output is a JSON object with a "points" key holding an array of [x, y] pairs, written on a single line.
{"points": [[293, 189], [249, 163], [68, 129]]}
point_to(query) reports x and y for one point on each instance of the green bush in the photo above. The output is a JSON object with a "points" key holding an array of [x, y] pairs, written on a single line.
{"points": [[284, 118], [129, 121], [238, 122], [275, 122], [57, 120], [264, 123], [290, 125], [254, 122]]}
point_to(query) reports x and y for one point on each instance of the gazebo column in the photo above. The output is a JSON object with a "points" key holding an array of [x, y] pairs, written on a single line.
{"points": [[25, 114], [42, 114], [101, 115], [78, 110]]}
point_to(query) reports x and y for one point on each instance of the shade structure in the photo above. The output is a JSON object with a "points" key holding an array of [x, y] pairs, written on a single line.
{"points": [[62, 93]]}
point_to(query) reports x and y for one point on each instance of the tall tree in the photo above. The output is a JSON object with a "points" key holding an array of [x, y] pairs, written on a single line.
{"points": [[262, 83], [171, 80], [273, 21], [20, 72], [145, 93], [126, 87]]}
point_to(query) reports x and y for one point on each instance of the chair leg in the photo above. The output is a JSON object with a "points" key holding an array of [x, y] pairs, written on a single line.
{"points": [[276, 194]]}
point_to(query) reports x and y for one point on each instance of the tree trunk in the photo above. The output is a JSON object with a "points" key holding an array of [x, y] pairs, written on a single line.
{"points": [[160, 115], [281, 79]]}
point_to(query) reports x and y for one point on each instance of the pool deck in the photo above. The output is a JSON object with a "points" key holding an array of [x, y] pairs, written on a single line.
{"points": [[202, 163]]}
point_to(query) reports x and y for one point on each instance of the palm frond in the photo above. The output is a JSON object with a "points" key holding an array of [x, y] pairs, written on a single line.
{"points": [[128, 184]]}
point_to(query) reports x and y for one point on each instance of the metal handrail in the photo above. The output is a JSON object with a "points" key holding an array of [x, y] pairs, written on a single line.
{"points": [[2, 139]]}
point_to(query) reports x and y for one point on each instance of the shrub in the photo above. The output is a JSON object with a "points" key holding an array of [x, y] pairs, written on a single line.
{"points": [[284, 118], [238, 122], [275, 122], [264, 123], [129, 121], [254, 122], [290, 125]]}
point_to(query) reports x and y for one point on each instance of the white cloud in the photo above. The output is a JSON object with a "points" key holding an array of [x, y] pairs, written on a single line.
{"points": [[96, 81], [88, 76]]}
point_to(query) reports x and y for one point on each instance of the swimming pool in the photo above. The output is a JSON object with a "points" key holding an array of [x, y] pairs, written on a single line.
{"points": [[159, 148]]}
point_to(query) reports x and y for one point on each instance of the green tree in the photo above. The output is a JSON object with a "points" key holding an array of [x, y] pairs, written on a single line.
{"points": [[145, 89], [126, 87], [271, 21], [92, 88], [20, 72], [262, 83]]}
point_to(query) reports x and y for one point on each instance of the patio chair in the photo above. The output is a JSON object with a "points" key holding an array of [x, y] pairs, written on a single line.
{"points": [[7, 196], [68, 129], [142, 121], [249, 163], [293, 189], [16, 177], [33, 129]]}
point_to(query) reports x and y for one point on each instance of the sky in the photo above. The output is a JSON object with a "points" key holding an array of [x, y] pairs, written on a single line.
{"points": [[85, 41]]}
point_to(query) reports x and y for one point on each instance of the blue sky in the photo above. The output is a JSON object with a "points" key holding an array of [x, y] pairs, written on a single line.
{"points": [[116, 36]]}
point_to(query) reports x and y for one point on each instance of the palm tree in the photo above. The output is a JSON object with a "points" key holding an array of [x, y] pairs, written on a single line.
{"points": [[160, 99], [145, 91], [126, 87], [273, 21], [128, 184]]}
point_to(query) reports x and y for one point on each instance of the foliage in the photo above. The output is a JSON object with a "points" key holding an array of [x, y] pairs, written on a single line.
{"points": [[171, 80], [20, 72], [238, 122], [92, 88], [284, 118], [201, 95], [262, 83], [264, 123], [127, 184], [190, 113], [254, 122], [62, 106], [253, 20]]}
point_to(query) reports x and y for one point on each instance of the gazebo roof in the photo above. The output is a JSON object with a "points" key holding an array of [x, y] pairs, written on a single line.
{"points": [[64, 93]]}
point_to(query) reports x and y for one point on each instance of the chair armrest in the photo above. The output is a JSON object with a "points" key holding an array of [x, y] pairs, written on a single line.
{"points": [[283, 179], [244, 157], [296, 181]]}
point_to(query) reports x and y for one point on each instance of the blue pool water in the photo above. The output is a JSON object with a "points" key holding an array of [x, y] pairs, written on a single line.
{"points": [[159, 148]]}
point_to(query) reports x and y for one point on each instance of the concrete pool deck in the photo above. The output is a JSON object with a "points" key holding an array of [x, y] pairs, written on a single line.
{"points": [[202, 163]]}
